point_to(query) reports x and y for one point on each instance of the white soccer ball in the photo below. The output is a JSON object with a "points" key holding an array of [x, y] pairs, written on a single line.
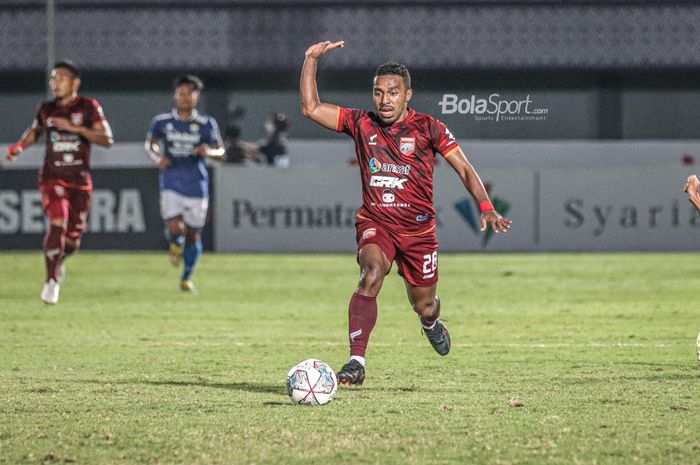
{"points": [[311, 382]]}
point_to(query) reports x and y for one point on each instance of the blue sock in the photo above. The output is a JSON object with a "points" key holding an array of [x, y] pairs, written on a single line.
{"points": [[191, 256], [177, 240]]}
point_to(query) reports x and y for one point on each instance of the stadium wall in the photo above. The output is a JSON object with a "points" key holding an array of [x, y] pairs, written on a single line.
{"points": [[562, 196]]}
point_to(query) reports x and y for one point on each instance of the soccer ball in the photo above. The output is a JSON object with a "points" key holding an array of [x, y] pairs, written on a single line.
{"points": [[311, 382]]}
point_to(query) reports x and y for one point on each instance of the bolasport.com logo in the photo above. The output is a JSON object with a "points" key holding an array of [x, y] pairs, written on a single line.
{"points": [[493, 108], [468, 209]]}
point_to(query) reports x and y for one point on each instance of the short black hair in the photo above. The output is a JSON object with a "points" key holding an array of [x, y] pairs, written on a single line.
{"points": [[189, 79], [69, 65], [397, 69]]}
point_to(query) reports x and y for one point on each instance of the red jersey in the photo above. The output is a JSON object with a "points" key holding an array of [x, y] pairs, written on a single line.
{"points": [[67, 159], [396, 165]]}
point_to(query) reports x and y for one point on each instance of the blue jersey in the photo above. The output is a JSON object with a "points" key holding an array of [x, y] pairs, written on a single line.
{"points": [[187, 173]]}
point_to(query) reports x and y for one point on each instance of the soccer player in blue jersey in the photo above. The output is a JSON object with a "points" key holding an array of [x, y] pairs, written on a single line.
{"points": [[178, 142]]}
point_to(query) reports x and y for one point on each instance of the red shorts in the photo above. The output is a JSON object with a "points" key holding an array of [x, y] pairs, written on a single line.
{"points": [[71, 205], [415, 256]]}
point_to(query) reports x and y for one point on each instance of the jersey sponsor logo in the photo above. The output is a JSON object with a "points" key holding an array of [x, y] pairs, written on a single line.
{"points": [[185, 137], [65, 146], [388, 196], [64, 142], [68, 159], [396, 169], [387, 181], [423, 217], [407, 145], [371, 232], [376, 166], [76, 119], [372, 140], [182, 143]]}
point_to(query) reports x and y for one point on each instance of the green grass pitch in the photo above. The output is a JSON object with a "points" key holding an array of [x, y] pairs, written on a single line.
{"points": [[556, 359]]}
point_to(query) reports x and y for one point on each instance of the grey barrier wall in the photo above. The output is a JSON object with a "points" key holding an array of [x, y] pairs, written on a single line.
{"points": [[124, 211], [561, 197]]}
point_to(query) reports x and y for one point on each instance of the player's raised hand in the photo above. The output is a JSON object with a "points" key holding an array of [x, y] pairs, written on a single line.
{"points": [[497, 222], [317, 50], [691, 185], [14, 150]]}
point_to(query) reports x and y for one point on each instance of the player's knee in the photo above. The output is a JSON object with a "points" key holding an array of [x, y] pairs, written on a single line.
{"points": [[371, 278], [72, 246], [425, 307], [176, 227], [192, 236]]}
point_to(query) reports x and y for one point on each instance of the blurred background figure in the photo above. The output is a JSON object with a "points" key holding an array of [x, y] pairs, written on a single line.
{"points": [[237, 150], [273, 150]]}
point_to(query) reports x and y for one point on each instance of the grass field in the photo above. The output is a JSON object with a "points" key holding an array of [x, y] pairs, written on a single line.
{"points": [[556, 359]]}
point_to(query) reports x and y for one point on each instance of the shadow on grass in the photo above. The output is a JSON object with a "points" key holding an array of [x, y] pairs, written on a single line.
{"points": [[241, 386]]}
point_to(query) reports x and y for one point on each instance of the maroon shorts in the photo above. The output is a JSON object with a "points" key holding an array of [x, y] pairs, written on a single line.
{"points": [[415, 256], [70, 205]]}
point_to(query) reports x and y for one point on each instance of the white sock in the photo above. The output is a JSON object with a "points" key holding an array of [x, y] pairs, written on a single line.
{"points": [[431, 326], [360, 360]]}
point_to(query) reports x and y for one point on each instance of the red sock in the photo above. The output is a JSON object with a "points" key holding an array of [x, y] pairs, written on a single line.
{"points": [[428, 322], [54, 245], [362, 317]]}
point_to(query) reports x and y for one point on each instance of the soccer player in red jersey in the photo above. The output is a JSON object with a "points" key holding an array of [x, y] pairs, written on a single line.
{"points": [[70, 123], [395, 148]]}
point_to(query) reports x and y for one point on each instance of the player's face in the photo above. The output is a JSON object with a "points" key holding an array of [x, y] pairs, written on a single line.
{"points": [[63, 83], [186, 98], [390, 97]]}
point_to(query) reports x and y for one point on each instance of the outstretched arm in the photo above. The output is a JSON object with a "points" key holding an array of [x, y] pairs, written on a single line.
{"points": [[691, 187], [29, 136], [325, 114], [472, 182]]}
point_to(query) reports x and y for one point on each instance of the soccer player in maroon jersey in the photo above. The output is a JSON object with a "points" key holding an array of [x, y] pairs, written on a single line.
{"points": [[395, 148], [70, 123]]}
